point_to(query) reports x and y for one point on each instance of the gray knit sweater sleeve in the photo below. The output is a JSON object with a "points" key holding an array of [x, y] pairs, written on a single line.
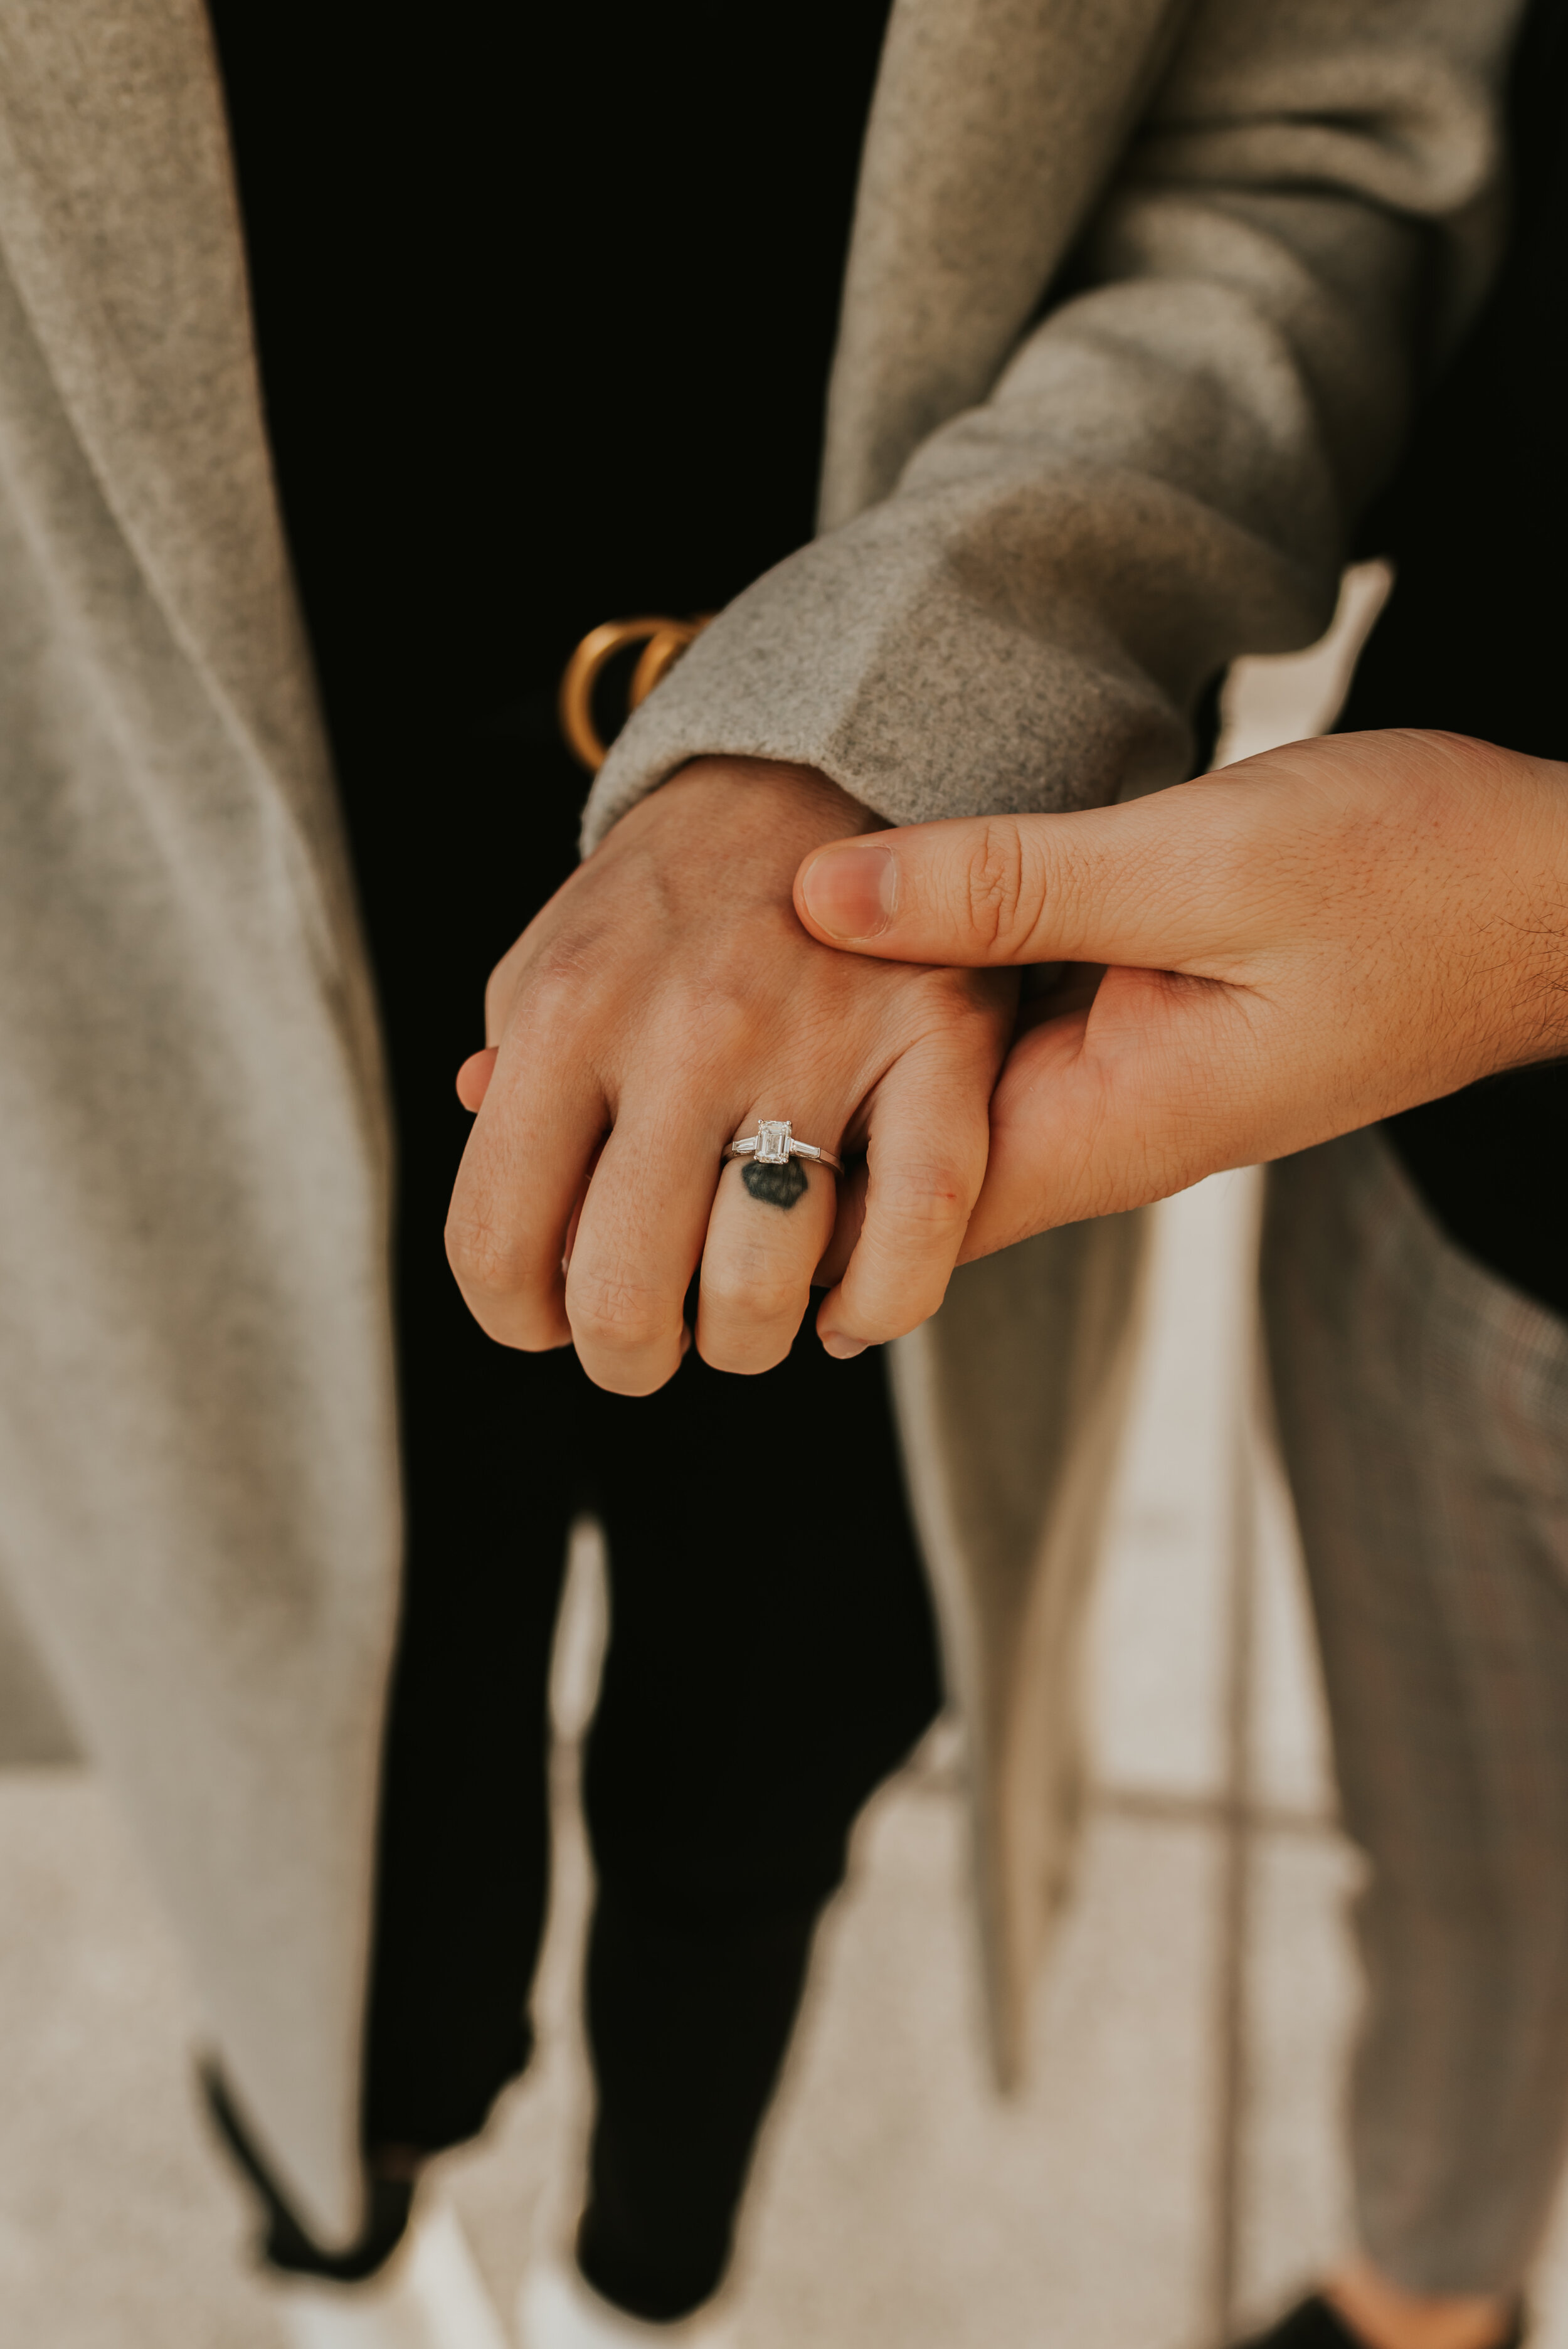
{"points": [[1167, 469]]}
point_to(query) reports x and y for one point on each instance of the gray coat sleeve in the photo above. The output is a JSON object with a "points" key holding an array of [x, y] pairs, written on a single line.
{"points": [[1167, 470]]}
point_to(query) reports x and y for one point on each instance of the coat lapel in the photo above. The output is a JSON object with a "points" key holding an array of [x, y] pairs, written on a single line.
{"points": [[193, 1212], [120, 225], [995, 126]]}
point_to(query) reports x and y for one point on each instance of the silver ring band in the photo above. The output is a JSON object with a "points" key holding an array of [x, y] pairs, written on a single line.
{"points": [[773, 1145]]}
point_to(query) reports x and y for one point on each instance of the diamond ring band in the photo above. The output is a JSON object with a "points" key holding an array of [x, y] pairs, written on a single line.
{"points": [[774, 1144]]}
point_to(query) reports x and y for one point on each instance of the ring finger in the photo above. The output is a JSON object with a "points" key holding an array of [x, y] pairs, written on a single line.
{"points": [[772, 1218]]}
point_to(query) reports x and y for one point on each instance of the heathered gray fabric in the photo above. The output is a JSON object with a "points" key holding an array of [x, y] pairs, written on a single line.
{"points": [[1010, 1403], [1424, 1411], [1163, 474], [197, 1496], [198, 1491]]}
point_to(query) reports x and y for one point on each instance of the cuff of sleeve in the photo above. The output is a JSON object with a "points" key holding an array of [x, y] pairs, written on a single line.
{"points": [[873, 656]]}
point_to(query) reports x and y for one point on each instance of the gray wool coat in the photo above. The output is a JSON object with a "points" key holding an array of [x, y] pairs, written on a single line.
{"points": [[1040, 541]]}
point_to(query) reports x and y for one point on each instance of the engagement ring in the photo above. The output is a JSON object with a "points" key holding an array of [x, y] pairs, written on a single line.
{"points": [[773, 1145]]}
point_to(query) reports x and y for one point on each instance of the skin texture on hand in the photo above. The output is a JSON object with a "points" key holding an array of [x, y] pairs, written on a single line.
{"points": [[1292, 948], [663, 1001]]}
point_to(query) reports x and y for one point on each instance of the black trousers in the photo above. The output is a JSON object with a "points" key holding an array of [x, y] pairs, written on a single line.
{"points": [[770, 1660]]}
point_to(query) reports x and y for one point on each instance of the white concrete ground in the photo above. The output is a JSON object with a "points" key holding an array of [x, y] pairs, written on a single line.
{"points": [[1172, 2167]]}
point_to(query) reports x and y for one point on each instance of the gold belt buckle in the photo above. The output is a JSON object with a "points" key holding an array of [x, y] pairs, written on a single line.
{"points": [[663, 641]]}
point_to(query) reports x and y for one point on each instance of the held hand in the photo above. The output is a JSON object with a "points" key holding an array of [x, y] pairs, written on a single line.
{"points": [[665, 1000], [1296, 947]]}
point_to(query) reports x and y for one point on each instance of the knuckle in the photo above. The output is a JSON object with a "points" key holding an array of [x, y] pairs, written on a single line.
{"points": [[996, 883], [548, 1000], [928, 1200], [614, 1316], [499, 1285], [753, 1294], [485, 1258]]}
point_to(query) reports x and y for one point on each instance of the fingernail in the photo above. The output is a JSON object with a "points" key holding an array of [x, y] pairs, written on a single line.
{"points": [[843, 1349], [850, 893]]}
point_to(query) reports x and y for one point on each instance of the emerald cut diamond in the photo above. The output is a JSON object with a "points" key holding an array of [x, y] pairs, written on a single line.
{"points": [[772, 1142]]}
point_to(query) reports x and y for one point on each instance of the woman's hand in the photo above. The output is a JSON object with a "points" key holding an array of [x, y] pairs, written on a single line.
{"points": [[663, 1001], [1294, 948]]}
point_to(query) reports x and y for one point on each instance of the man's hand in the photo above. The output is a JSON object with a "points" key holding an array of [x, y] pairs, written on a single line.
{"points": [[1296, 947], [666, 1000]]}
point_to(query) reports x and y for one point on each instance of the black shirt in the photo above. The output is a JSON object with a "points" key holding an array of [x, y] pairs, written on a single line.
{"points": [[1475, 640], [546, 300]]}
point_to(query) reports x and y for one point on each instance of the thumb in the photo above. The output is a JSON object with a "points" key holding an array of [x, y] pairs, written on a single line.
{"points": [[1133, 885]]}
